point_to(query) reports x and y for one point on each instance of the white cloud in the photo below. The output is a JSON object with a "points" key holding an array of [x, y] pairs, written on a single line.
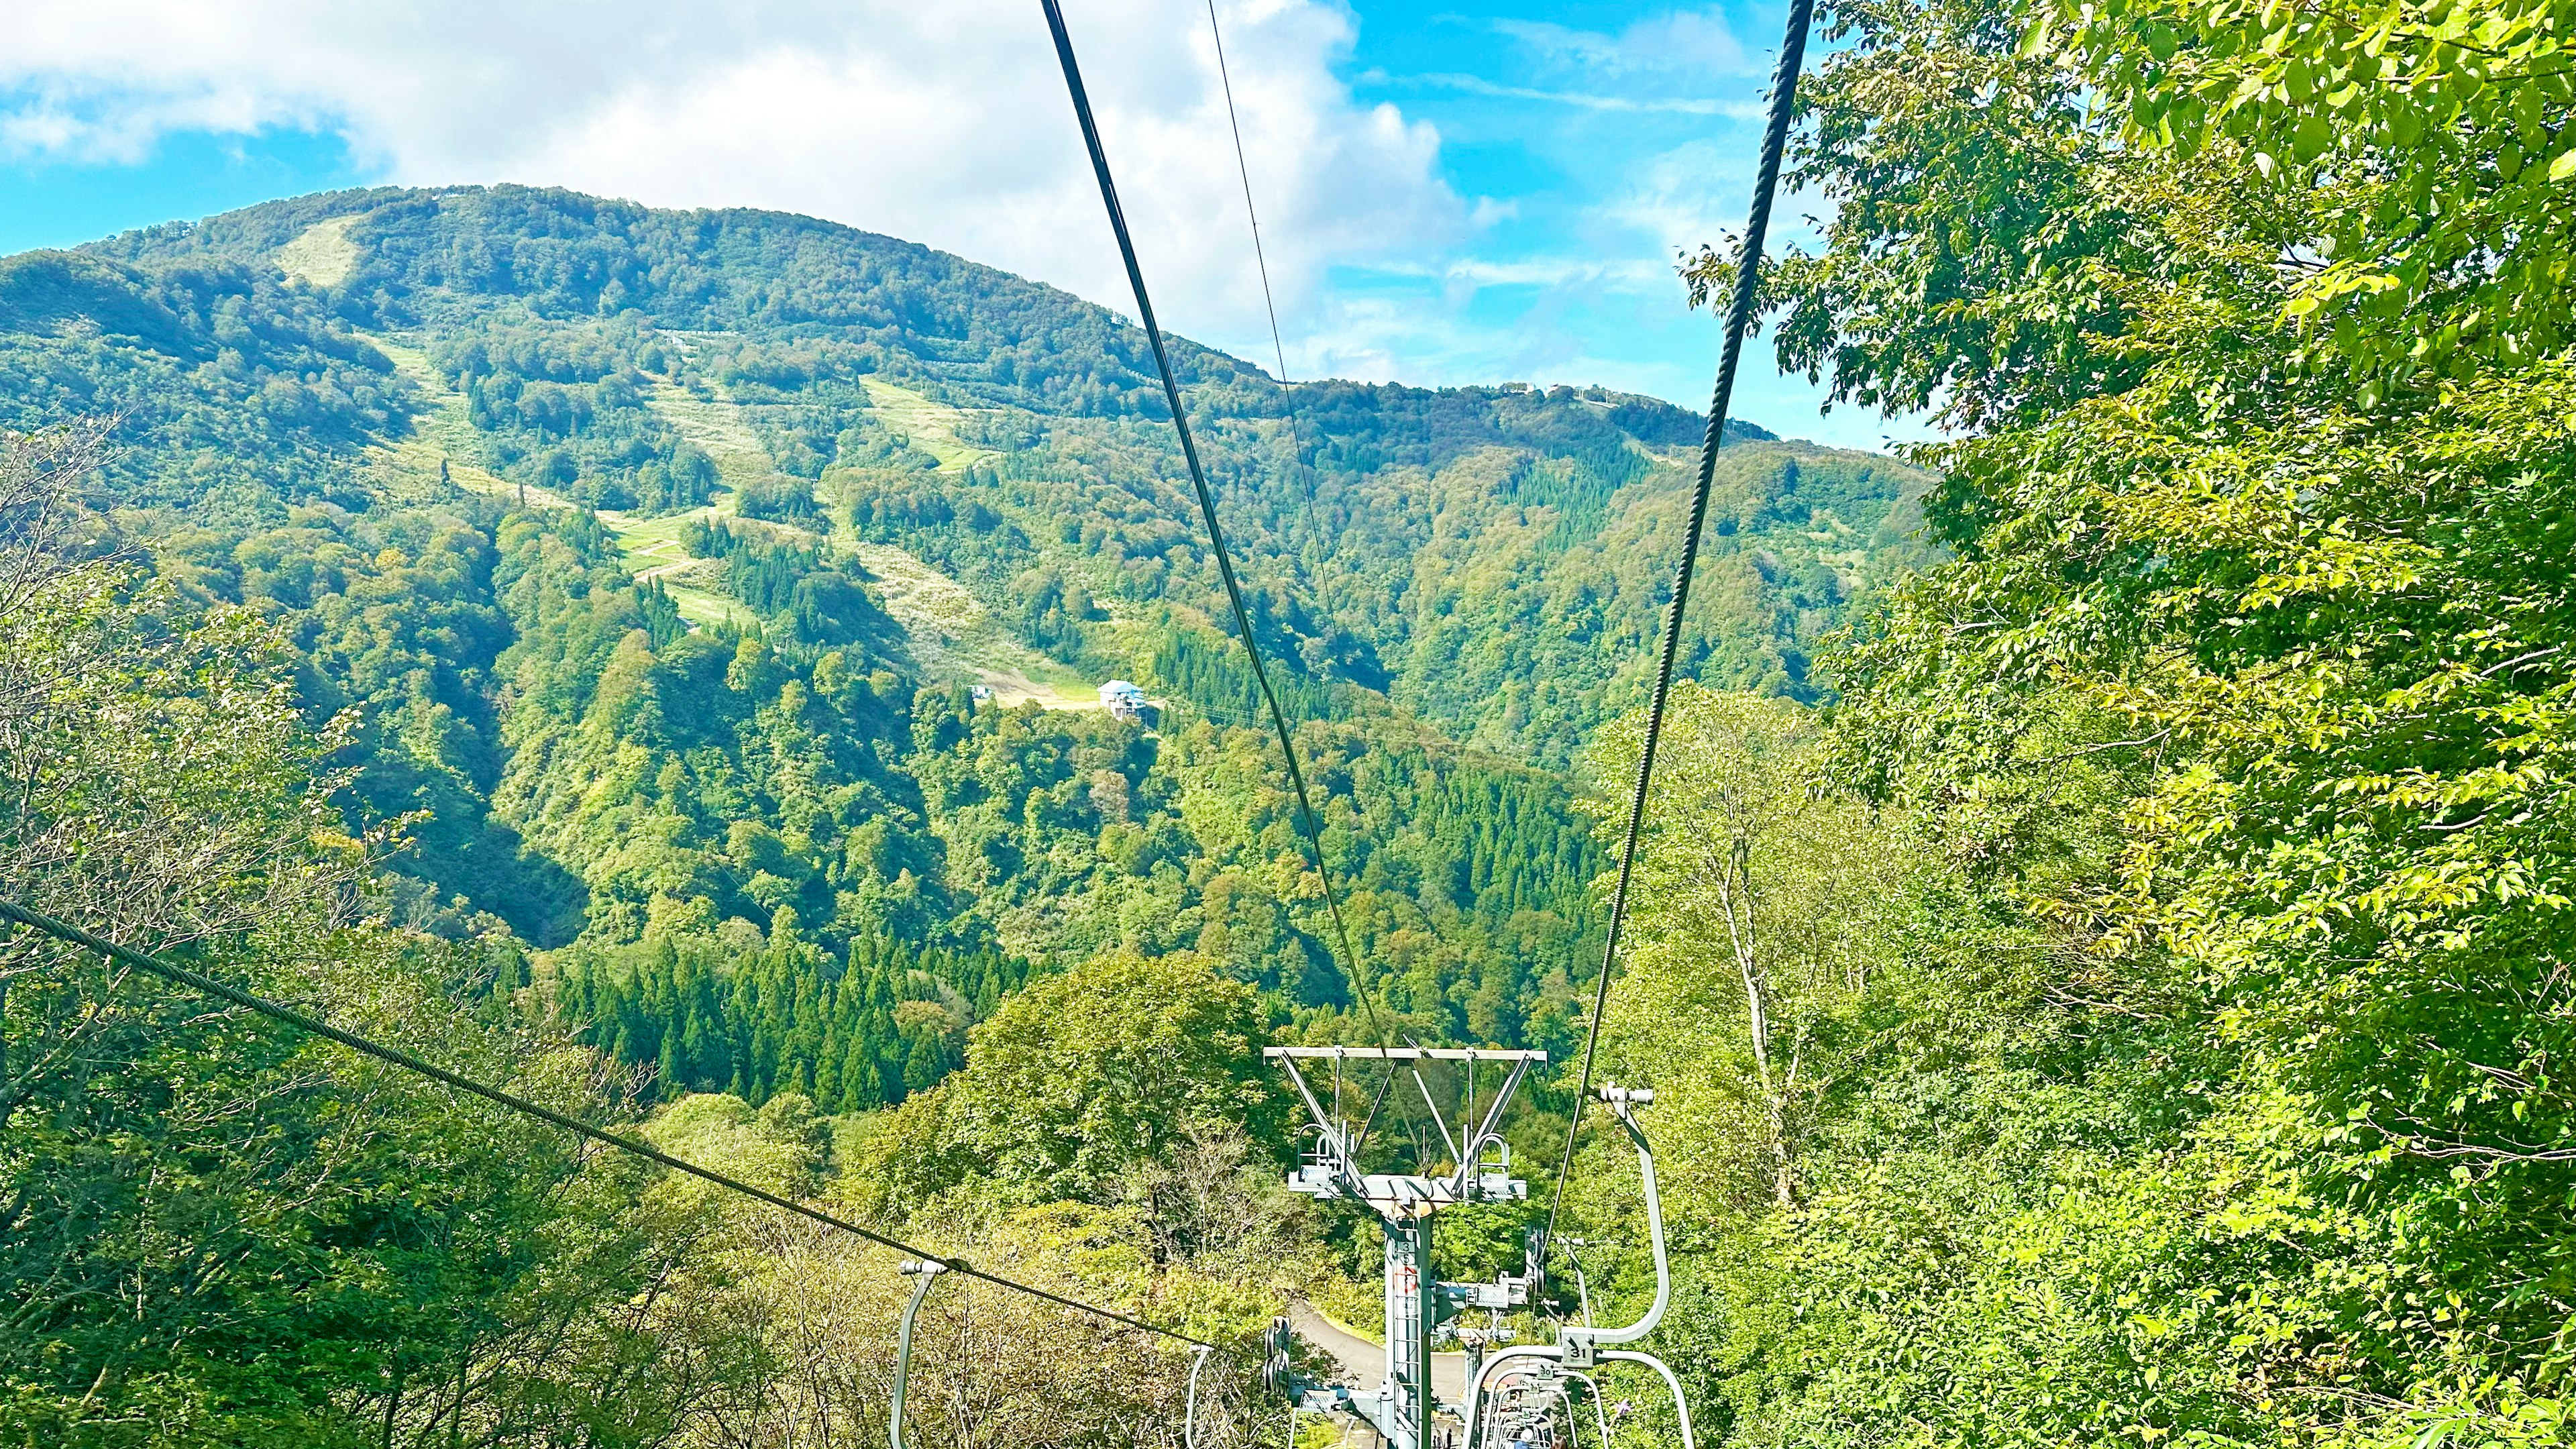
{"points": [[1589, 100], [1692, 194], [943, 123], [1694, 44]]}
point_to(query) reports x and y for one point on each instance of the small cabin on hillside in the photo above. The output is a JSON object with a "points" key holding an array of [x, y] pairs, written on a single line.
{"points": [[1123, 700]]}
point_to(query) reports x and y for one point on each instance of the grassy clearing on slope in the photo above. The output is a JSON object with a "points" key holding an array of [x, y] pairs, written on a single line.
{"points": [[652, 546], [928, 426], [715, 427], [953, 634], [322, 256], [409, 470], [955, 637]]}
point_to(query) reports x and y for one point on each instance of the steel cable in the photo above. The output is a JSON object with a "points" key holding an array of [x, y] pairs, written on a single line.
{"points": [[1261, 260], [1739, 321], [1207, 502]]}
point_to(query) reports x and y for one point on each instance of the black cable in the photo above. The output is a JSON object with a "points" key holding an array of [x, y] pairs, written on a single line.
{"points": [[1385, 1084], [1739, 321], [313, 1025], [1207, 500]]}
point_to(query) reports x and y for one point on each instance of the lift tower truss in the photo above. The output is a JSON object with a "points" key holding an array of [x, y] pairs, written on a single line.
{"points": [[1479, 1170]]}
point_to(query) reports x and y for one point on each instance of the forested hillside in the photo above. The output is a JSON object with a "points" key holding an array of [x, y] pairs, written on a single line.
{"points": [[998, 430], [2155, 1020], [2101, 950], [676, 631], [656, 562]]}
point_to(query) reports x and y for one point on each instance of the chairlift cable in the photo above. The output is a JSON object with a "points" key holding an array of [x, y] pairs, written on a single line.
{"points": [[1206, 501], [314, 1026], [1739, 321]]}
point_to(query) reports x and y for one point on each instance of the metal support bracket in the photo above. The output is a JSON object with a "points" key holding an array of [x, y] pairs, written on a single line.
{"points": [[924, 1273], [1190, 1410]]}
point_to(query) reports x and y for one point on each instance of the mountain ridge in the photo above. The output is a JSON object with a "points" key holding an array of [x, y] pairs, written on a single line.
{"points": [[665, 561], [271, 230], [578, 330]]}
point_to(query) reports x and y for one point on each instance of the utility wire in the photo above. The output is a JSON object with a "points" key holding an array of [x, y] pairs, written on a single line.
{"points": [[1287, 391], [1206, 499], [1739, 321], [313, 1025], [1278, 349], [1296, 438]]}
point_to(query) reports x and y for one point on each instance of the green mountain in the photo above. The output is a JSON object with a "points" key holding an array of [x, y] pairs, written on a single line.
{"points": [[2138, 1012], [720, 588]]}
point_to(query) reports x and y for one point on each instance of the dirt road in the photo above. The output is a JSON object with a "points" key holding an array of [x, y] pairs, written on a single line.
{"points": [[1363, 1364]]}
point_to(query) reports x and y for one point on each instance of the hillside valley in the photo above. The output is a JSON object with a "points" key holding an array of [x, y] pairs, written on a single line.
{"points": [[693, 573], [562, 846]]}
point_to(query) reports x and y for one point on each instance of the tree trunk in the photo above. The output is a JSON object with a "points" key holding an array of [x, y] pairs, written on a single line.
{"points": [[1735, 894]]}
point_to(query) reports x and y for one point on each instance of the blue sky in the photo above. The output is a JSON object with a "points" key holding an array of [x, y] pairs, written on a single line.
{"points": [[1450, 197], [1608, 135], [48, 202]]}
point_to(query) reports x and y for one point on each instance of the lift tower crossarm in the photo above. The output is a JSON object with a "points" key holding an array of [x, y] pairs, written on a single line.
{"points": [[1403, 1406], [1403, 1054]]}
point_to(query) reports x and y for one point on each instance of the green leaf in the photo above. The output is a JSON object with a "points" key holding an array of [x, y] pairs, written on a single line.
{"points": [[2564, 166], [2312, 138]]}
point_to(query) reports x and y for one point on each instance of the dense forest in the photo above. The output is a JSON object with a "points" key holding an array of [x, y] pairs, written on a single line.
{"points": [[331, 412], [2102, 944], [1477, 554]]}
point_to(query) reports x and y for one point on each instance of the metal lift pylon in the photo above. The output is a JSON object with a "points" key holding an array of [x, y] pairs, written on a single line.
{"points": [[1402, 1408]]}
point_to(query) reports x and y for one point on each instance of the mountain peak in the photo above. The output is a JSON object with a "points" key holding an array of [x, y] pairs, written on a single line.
{"points": [[389, 258]]}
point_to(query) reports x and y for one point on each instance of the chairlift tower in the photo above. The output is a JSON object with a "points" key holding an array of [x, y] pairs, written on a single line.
{"points": [[1401, 1408]]}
